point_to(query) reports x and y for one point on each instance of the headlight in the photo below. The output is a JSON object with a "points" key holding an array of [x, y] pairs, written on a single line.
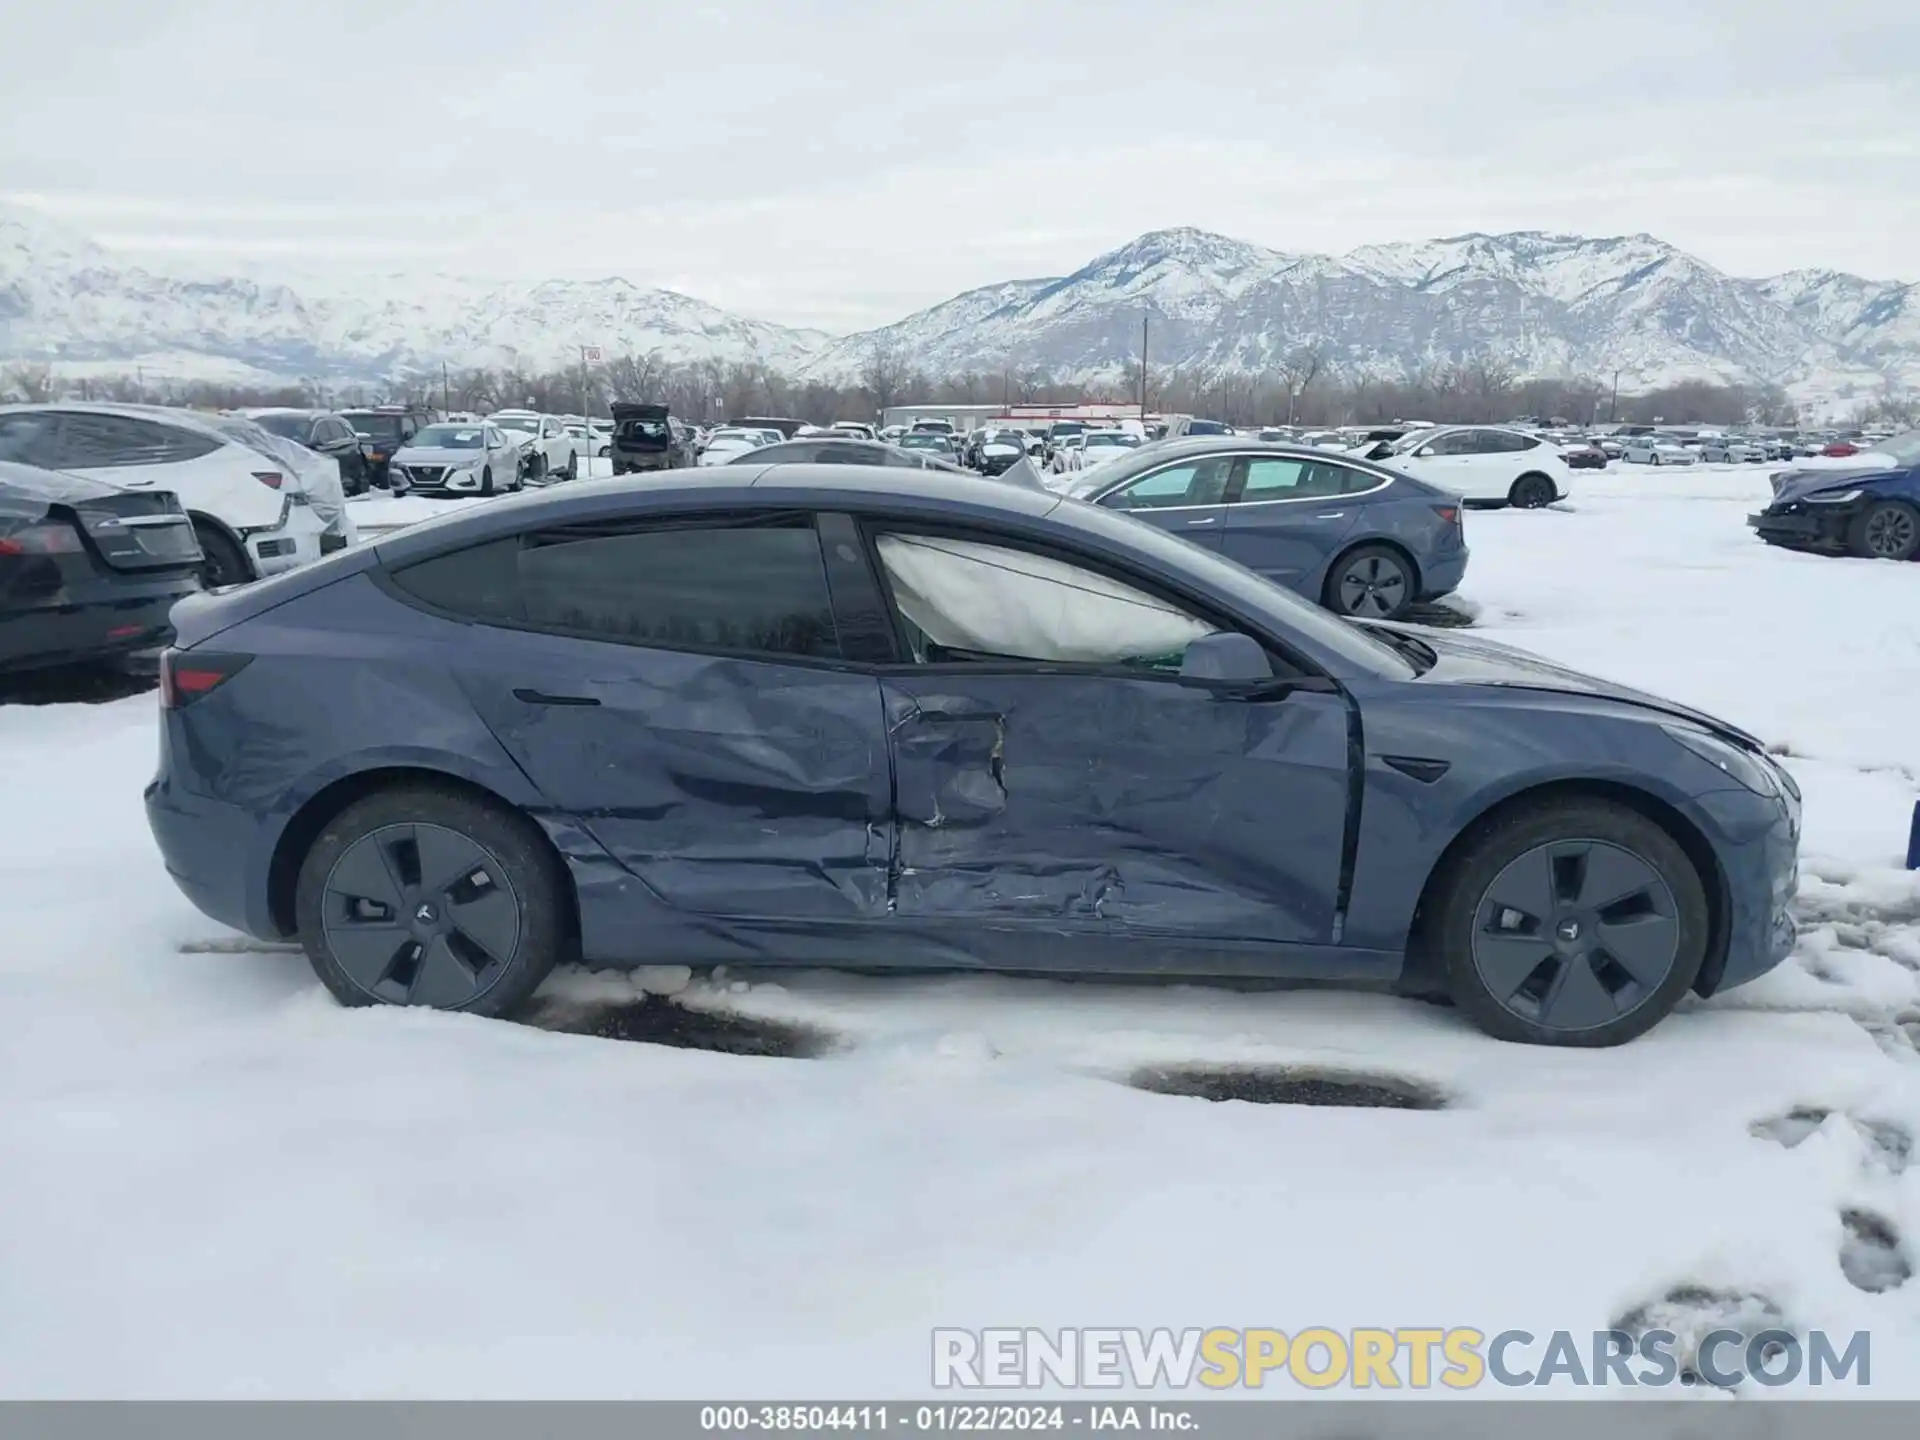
{"points": [[1833, 497], [1752, 771]]}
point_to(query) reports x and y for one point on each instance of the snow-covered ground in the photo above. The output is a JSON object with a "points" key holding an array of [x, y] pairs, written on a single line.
{"points": [[214, 1181]]}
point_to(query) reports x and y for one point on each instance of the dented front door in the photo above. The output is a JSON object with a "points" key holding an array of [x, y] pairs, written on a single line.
{"points": [[1089, 802]]}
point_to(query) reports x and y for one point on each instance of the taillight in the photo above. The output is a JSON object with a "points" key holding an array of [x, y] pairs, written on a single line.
{"points": [[186, 675], [270, 478], [49, 537], [1448, 513]]}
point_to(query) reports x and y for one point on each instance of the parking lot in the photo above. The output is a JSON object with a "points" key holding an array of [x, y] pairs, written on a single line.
{"points": [[219, 1182]]}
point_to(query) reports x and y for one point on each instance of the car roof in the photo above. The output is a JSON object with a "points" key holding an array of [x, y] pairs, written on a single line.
{"points": [[936, 494], [170, 414]]}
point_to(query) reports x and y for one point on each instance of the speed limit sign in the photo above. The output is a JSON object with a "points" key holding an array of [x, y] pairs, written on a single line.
{"points": [[591, 354]]}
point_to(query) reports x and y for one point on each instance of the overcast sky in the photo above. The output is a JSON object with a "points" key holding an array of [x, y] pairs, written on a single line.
{"points": [[840, 163]]}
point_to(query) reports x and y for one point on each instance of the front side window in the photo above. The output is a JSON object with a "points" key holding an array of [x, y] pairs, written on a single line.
{"points": [[1192, 482], [679, 586], [965, 600]]}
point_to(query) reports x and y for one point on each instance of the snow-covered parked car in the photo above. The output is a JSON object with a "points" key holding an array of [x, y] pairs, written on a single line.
{"points": [[725, 443], [457, 459], [547, 450], [1490, 464], [1656, 450], [259, 504]]}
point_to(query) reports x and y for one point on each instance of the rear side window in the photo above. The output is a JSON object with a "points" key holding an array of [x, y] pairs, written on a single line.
{"points": [[1288, 478], [756, 589], [98, 442], [27, 438]]}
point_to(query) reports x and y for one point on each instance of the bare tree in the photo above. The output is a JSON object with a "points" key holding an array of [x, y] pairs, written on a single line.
{"points": [[1487, 383], [32, 382], [1296, 373], [884, 373]]}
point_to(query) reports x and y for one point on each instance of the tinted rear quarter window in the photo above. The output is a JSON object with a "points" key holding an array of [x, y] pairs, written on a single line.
{"points": [[759, 589], [88, 441]]}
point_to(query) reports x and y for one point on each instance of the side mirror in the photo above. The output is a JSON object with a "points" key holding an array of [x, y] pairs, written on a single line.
{"points": [[1425, 452], [1226, 657]]}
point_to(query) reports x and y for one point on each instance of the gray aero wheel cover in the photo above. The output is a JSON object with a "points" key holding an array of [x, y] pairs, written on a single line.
{"points": [[1372, 585], [1575, 934], [420, 915]]}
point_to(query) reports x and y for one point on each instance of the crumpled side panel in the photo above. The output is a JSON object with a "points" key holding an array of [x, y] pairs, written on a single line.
{"points": [[728, 787]]}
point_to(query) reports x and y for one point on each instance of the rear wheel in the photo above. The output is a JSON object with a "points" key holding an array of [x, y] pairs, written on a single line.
{"points": [[1373, 582], [1572, 922], [423, 896], [225, 563], [1886, 530], [1531, 492]]}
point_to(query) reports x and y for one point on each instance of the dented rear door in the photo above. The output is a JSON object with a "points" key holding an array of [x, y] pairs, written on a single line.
{"points": [[1103, 803]]}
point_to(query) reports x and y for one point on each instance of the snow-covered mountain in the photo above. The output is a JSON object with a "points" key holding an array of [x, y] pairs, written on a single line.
{"points": [[65, 299], [1542, 304], [1546, 305]]}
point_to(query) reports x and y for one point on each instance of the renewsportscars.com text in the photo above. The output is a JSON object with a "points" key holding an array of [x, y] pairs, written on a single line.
{"points": [[1416, 1358]]}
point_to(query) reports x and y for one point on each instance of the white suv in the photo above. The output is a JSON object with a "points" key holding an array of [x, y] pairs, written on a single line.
{"points": [[550, 452], [259, 504]]}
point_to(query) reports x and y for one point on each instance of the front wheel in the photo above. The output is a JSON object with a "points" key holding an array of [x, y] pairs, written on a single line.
{"points": [[1569, 922], [1372, 582], [572, 472], [424, 896], [1531, 492], [1886, 530], [486, 481]]}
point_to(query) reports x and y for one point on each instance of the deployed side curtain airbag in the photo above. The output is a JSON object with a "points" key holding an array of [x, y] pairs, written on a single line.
{"points": [[963, 595]]}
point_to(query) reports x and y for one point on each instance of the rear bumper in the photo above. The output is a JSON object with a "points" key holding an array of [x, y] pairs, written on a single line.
{"points": [[198, 840], [1442, 574], [299, 539], [94, 621]]}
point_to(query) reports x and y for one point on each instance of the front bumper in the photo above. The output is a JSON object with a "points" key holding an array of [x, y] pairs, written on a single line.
{"points": [[1759, 851], [1798, 525]]}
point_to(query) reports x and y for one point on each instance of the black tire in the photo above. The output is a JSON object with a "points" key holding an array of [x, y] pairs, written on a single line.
{"points": [[572, 472], [225, 563], [1373, 582], [1532, 491], [518, 869], [1567, 986], [1886, 530], [537, 467], [486, 480]]}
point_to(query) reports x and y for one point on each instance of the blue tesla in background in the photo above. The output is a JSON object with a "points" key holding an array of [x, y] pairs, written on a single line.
{"points": [[1868, 507], [857, 715]]}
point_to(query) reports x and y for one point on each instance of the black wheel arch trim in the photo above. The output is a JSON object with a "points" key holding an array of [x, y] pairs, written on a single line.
{"points": [[1661, 811], [317, 809], [222, 528]]}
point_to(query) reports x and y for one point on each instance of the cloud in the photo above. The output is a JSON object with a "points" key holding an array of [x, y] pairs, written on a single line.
{"points": [[840, 164]]}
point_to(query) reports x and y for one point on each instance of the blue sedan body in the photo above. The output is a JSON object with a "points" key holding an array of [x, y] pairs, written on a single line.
{"points": [[1870, 512], [1356, 536], [712, 805]]}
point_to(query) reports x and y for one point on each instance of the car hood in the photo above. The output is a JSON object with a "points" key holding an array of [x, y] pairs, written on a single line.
{"points": [[1799, 483], [1463, 661], [437, 455]]}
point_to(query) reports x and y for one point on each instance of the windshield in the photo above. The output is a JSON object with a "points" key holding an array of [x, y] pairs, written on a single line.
{"points": [[451, 437], [1125, 442], [1408, 443], [527, 424], [921, 440], [287, 427], [368, 422]]}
